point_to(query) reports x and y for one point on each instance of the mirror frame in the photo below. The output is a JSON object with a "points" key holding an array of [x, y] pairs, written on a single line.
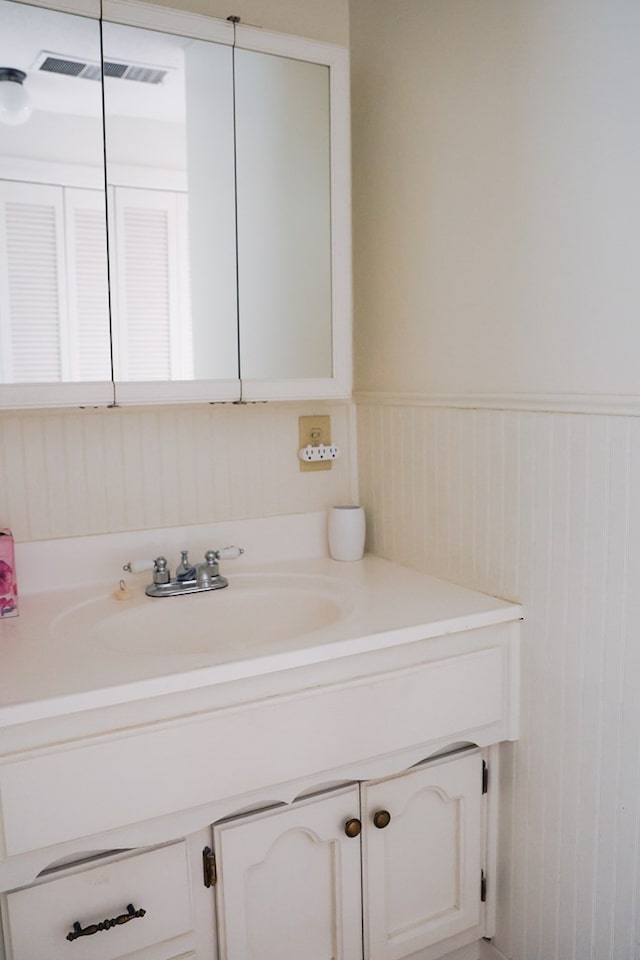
{"points": [[339, 384]]}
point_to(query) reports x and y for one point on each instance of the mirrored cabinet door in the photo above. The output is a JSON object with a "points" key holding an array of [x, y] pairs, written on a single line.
{"points": [[171, 199], [293, 201], [191, 245], [284, 217], [54, 304]]}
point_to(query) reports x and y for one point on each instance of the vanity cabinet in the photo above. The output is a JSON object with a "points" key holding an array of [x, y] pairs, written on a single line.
{"points": [[289, 880], [279, 745], [382, 870]]}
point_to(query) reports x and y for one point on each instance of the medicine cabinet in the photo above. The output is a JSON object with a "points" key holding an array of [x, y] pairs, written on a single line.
{"points": [[174, 211]]}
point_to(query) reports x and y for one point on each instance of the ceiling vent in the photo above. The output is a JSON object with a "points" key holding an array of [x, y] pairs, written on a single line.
{"points": [[70, 67]]}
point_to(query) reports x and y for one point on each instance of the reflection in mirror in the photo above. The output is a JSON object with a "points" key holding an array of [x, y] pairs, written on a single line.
{"points": [[284, 221], [54, 316], [169, 150]]}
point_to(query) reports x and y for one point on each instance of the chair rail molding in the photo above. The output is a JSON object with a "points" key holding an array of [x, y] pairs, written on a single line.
{"points": [[611, 405]]}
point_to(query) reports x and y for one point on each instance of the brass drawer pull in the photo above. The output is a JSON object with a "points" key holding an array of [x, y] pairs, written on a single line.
{"points": [[381, 819], [352, 828], [79, 931]]}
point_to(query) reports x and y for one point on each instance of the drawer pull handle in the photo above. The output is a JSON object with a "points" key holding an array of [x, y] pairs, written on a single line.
{"points": [[79, 931]]}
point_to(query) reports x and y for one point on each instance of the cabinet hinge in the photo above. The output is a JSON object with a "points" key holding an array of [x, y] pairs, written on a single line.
{"points": [[209, 871], [485, 776], [483, 887]]}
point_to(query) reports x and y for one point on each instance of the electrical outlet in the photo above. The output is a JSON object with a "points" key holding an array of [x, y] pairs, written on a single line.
{"points": [[314, 431]]}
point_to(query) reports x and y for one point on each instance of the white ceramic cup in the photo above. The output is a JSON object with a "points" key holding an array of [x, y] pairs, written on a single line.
{"points": [[347, 531]]}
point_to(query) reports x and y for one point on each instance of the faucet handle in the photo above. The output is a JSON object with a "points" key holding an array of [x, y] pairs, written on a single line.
{"points": [[139, 566], [229, 553], [208, 570], [160, 570]]}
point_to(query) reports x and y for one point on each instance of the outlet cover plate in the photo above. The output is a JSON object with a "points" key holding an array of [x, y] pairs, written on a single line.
{"points": [[314, 430]]}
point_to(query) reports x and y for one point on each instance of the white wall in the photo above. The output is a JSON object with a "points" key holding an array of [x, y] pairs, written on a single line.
{"points": [[496, 210], [541, 508], [499, 142]]}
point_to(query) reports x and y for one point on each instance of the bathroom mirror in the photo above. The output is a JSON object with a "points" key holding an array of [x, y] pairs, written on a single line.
{"points": [[54, 305], [192, 245], [171, 200], [284, 216], [294, 245], [214, 151]]}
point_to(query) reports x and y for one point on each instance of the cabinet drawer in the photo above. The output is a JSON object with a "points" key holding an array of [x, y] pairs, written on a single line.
{"points": [[38, 919]]}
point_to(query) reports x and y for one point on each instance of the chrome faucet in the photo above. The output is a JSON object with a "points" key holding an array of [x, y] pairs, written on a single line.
{"points": [[190, 579], [184, 570]]}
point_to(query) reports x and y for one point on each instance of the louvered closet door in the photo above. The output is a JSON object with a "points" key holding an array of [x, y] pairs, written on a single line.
{"points": [[88, 347], [32, 288], [150, 285]]}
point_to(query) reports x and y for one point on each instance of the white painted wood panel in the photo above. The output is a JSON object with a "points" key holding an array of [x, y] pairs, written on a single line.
{"points": [[290, 882], [73, 473], [421, 872], [458, 697], [541, 508]]}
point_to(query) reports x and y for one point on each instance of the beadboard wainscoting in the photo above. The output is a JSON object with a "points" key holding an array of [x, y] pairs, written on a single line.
{"points": [[75, 473], [543, 508]]}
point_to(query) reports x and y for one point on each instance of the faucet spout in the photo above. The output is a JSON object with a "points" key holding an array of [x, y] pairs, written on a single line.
{"points": [[185, 570]]}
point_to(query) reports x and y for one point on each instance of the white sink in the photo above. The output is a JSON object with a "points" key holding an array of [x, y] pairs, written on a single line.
{"points": [[254, 614]]}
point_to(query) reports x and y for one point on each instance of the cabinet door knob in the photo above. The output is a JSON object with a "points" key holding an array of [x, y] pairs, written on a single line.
{"points": [[381, 819], [353, 827]]}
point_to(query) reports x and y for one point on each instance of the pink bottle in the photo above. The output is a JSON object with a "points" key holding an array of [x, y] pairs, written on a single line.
{"points": [[8, 584]]}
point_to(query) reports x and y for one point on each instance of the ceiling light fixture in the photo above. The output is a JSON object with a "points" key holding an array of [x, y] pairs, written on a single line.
{"points": [[15, 103]]}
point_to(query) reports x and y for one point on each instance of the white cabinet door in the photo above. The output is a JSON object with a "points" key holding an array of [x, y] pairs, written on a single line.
{"points": [[422, 870], [289, 882]]}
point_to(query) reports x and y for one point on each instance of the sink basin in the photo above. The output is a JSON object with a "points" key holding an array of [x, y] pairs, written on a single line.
{"points": [[255, 614]]}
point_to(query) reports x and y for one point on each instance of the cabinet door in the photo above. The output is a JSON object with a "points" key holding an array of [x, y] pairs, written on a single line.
{"points": [[422, 870], [289, 882], [283, 152], [171, 176], [293, 232], [54, 318]]}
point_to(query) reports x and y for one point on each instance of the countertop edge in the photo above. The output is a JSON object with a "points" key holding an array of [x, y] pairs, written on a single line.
{"points": [[185, 680]]}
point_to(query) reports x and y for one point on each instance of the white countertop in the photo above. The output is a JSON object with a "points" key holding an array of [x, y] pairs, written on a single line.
{"points": [[50, 666]]}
